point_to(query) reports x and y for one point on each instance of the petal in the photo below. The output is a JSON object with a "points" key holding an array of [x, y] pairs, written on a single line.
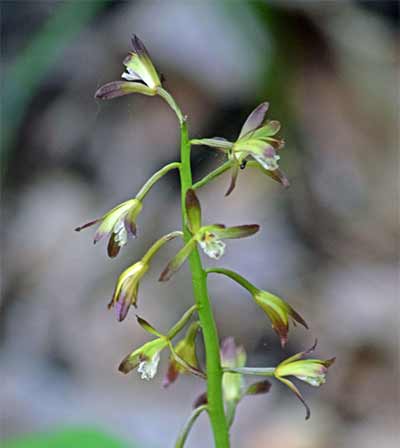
{"points": [[113, 247], [193, 211], [234, 175], [296, 391], [215, 142], [175, 264], [148, 327], [213, 247], [172, 373], [269, 129], [116, 89], [277, 175], [242, 231], [254, 120]]}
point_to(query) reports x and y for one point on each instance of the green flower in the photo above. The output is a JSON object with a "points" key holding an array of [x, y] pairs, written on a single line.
{"points": [[208, 237], [147, 357], [311, 371], [119, 224], [257, 140], [126, 289], [140, 75]]}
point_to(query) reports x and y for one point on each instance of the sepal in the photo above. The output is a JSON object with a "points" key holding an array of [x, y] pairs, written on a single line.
{"points": [[176, 263]]}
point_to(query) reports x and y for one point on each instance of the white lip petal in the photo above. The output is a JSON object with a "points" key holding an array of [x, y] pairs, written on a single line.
{"points": [[148, 369], [213, 248], [269, 163], [130, 75]]}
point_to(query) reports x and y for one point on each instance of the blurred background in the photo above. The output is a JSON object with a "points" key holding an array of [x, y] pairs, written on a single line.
{"points": [[329, 244]]}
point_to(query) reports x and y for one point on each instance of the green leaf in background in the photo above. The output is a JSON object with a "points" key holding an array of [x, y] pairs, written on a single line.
{"points": [[68, 438]]}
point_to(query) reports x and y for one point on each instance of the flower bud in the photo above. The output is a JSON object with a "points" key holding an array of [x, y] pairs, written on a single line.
{"points": [[186, 350]]}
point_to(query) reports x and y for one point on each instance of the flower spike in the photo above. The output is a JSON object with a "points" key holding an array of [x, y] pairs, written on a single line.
{"points": [[119, 224]]}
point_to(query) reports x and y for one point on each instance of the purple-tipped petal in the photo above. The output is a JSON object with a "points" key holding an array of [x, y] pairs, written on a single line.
{"points": [[122, 307], [116, 89], [254, 120]]}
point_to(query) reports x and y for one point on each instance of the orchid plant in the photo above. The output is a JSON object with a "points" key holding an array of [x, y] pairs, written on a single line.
{"points": [[225, 364]]}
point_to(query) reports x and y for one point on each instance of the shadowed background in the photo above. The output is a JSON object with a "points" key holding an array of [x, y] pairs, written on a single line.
{"points": [[329, 244]]}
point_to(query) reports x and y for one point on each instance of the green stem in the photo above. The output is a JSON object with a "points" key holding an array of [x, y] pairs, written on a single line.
{"points": [[199, 280], [259, 371], [234, 276], [221, 169], [159, 244], [188, 426], [154, 178]]}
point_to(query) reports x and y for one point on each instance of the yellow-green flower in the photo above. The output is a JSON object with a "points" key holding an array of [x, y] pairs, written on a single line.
{"points": [[311, 371], [208, 237], [126, 289], [119, 224], [257, 140], [140, 75]]}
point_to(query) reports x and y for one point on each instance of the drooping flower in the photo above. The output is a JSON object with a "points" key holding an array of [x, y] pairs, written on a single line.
{"points": [[140, 75], [278, 312], [208, 237], [126, 289], [119, 224], [185, 349], [257, 140], [147, 357], [311, 371]]}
